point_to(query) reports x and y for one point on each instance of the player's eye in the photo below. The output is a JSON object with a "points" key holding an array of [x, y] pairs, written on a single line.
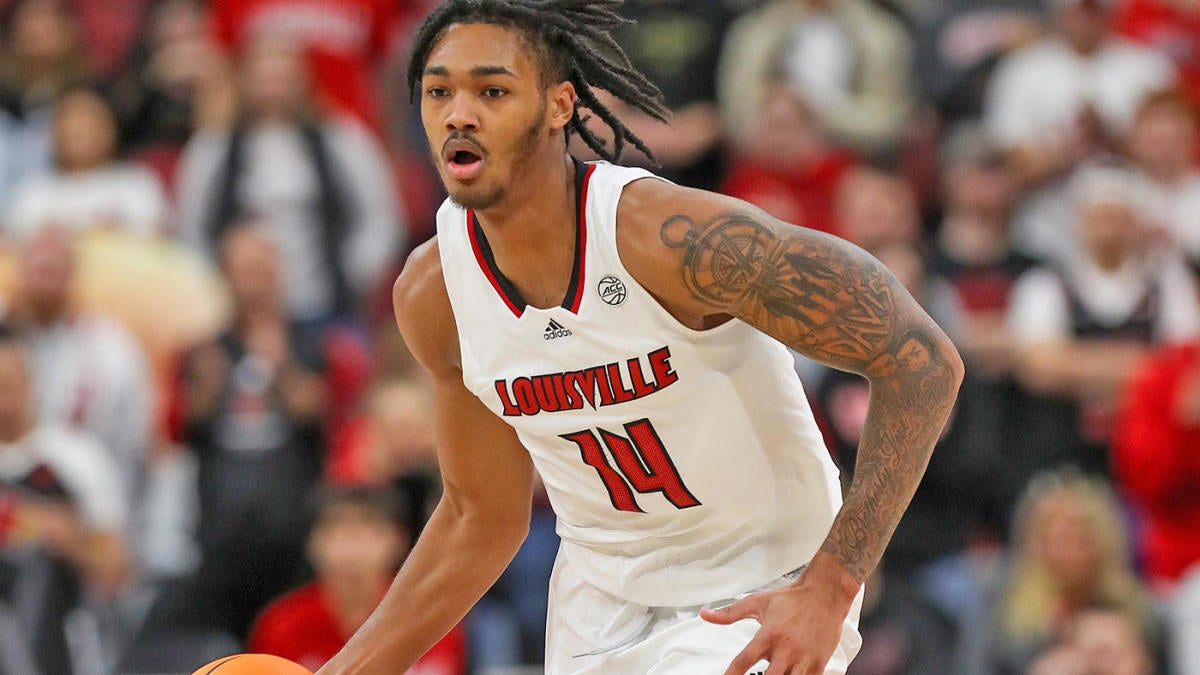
{"points": [[437, 92], [494, 92]]}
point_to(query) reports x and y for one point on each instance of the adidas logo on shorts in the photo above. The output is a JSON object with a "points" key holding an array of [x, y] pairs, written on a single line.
{"points": [[555, 330]]}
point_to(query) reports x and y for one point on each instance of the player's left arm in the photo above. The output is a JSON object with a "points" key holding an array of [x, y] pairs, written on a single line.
{"points": [[707, 258]]}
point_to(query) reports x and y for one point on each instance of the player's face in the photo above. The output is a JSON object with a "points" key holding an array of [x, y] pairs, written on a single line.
{"points": [[485, 111]]}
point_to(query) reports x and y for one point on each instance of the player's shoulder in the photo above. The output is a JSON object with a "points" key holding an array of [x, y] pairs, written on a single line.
{"points": [[422, 273], [651, 200], [662, 226], [423, 310], [649, 211]]}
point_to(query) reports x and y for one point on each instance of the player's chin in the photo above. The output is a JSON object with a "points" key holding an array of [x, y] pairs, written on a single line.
{"points": [[476, 197]]}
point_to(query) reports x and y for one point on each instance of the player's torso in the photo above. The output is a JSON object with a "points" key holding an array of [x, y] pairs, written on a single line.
{"points": [[658, 445]]}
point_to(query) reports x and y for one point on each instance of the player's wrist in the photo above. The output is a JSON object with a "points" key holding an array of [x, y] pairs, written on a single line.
{"points": [[825, 569]]}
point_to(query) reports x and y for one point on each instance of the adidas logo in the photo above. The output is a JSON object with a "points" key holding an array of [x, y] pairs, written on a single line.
{"points": [[555, 331]]}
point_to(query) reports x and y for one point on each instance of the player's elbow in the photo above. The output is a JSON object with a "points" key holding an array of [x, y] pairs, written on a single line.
{"points": [[504, 525], [951, 372], [955, 367], [924, 368], [926, 373]]}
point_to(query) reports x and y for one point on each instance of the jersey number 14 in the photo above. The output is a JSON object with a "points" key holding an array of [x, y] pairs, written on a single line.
{"points": [[642, 464]]}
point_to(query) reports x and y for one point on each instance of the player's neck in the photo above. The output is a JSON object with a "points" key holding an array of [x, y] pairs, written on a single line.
{"points": [[532, 231], [541, 202]]}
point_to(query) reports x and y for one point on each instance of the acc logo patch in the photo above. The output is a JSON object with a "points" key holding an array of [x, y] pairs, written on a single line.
{"points": [[611, 290]]}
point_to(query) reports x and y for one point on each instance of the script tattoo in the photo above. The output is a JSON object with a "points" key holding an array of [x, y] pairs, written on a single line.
{"points": [[830, 301]]}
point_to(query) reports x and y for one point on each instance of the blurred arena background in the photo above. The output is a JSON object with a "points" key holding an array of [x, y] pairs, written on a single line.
{"points": [[213, 440]]}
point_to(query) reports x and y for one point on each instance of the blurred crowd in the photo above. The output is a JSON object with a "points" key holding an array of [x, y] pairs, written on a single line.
{"points": [[213, 440]]}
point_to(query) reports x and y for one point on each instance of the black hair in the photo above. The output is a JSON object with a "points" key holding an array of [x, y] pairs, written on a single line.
{"points": [[573, 41], [387, 505], [88, 88], [8, 15]]}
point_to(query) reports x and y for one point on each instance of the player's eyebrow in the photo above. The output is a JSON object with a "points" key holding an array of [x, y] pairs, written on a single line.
{"points": [[484, 71], [477, 71]]}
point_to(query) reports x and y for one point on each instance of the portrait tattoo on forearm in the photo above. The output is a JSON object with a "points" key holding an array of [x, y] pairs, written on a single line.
{"points": [[829, 300]]}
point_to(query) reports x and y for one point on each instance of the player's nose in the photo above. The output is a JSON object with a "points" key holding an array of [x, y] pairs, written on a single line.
{"points": [[461, 115]]}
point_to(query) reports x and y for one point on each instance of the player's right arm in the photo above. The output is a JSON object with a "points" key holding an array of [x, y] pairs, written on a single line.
{"points": [[483, 515]]}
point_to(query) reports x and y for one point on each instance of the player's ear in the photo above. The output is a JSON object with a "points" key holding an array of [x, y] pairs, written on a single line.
{"points": [[562, 104]]}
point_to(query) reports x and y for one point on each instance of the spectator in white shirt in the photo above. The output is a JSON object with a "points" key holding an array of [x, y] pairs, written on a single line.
{"points": [[1108, 287], [41, 55], [1060, 101], [45, 460], [1162, 142], [1081, 327], [322, 187], [89, 374], [89, 189], [90, 533], [62, 523]]}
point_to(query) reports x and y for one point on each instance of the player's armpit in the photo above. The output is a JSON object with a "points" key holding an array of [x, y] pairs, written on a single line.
{"points": [[705, 255], [423, 311], [483, 515], [486, 472]]}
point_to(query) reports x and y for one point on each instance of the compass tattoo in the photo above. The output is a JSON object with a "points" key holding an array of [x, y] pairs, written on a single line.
{"points": [[831, 301]]}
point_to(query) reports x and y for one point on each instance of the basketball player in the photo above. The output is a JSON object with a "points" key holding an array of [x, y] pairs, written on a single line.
{"points": [[625, 338]]}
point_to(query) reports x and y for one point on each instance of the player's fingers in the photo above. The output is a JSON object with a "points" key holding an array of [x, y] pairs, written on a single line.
{"points": [[788, 666], [754, 652], [746, 608]]}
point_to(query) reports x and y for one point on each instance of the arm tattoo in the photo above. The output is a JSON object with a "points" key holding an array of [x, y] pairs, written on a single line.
{"points": [[821, 302], [830, 301]]}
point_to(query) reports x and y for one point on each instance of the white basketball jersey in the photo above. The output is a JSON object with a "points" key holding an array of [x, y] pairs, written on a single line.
{"points": [[684, 466]]}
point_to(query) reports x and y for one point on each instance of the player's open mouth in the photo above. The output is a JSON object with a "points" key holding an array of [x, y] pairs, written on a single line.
{"points": [[464, 159]]}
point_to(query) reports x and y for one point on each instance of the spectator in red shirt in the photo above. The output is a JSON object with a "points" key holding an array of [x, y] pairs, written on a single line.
{"points": [[1156, 455], [790, 168], [876, 209], [347, 42], [390, 446], [1170, 26], [356, 545]]}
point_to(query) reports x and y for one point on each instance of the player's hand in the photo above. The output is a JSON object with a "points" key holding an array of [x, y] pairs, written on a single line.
{"points": [[800, 624]]}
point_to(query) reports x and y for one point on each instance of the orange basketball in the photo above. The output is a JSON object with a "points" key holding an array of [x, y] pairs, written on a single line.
{"points": [[252, 664]]}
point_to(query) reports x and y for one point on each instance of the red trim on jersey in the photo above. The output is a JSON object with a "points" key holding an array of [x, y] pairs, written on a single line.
{"points": [[487, 270], [505, 288], [581, 244]]}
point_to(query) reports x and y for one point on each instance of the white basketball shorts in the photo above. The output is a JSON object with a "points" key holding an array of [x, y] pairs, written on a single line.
{"points": [[590, 632]]}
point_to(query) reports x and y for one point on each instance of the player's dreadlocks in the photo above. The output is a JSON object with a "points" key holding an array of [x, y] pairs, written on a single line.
{"points": [[573, 41]]}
